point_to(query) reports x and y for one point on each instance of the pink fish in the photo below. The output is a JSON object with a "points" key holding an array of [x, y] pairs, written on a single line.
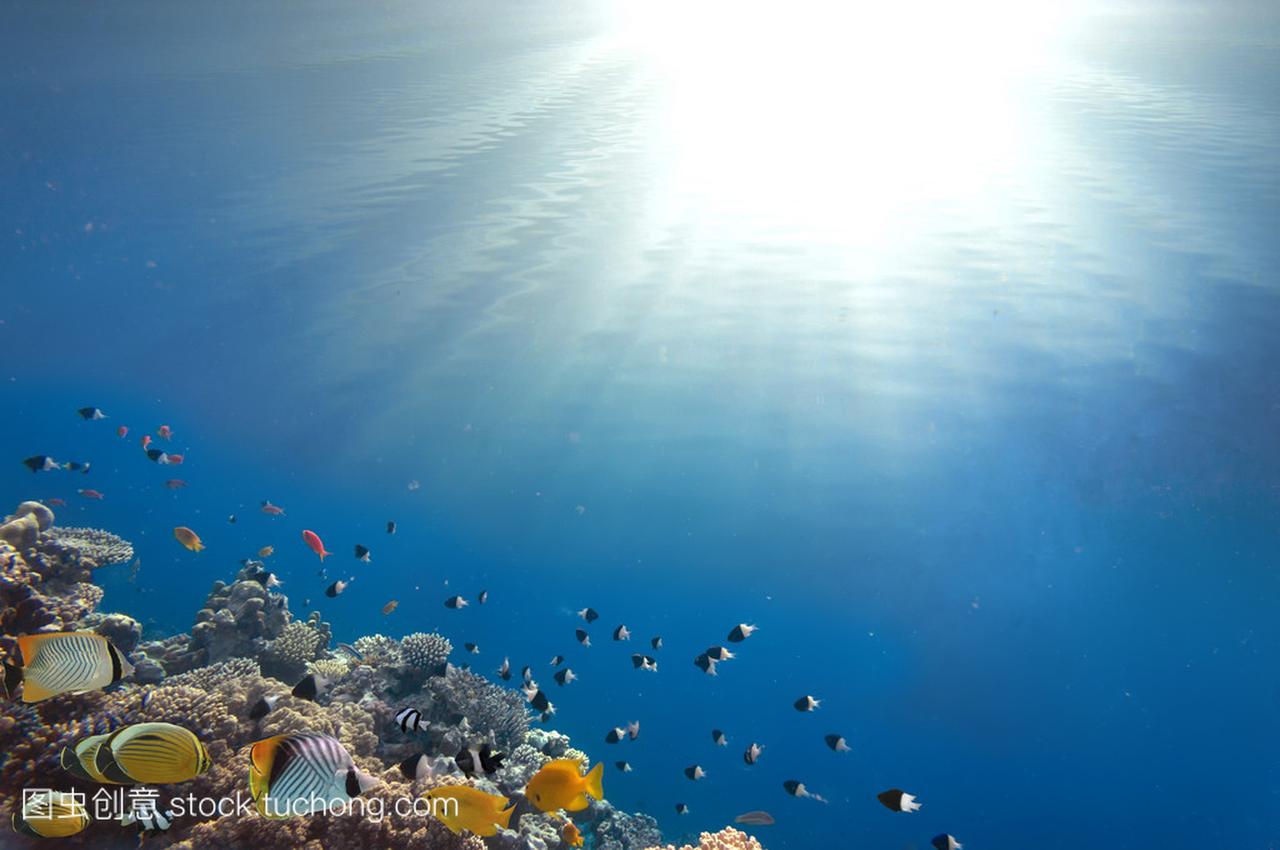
{"points": [[175, 483], [176, 459], [57, 503], [146, 440], [90, 494], [314, 543], [165, 432], [122, 431], [272, 510]]}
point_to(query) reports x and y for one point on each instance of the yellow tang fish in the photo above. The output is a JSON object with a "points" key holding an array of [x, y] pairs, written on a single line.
{"points": [[266, 551], [79, 760], [188, 538], [65, 663], [561, 785], [151, 754], [50, 814], [462, 807]]}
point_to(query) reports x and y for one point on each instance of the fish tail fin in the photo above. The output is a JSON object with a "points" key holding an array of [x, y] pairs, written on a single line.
{"points": [[503, 817], [12, 676], [594, 781], [197, 547]]}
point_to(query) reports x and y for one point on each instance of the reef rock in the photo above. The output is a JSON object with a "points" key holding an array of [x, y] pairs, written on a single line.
{"points": [[726, 839]]}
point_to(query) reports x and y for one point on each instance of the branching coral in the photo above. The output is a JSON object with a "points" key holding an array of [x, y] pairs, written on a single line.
{"points": [[425, 651], [726, 839], [492, 712], [216, 675], [287, 656], [94, 547]]}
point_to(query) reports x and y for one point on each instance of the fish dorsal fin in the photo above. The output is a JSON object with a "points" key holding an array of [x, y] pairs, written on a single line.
{"points": [[504, 816], [104, 761]]}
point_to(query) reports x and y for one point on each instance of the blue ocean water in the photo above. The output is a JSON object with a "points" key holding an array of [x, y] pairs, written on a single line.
{"points": [[950, 364]]}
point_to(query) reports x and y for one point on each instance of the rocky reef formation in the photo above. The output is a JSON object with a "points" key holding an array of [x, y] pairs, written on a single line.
{"points": [[726, 839], [245, 644]]}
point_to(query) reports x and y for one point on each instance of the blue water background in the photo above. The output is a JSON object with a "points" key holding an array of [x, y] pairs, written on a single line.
{"points": [[1004, 499]]}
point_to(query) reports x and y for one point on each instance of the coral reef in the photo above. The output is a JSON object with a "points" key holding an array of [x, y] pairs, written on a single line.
{"points": [[617, 830], [286, 657], [94, 547], [726, 839]]}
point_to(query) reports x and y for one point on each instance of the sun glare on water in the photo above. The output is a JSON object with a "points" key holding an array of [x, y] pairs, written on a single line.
{"points": [[829, 116]]}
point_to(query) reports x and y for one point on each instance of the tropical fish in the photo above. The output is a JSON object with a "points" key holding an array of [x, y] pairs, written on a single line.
{"points": [[836, 743], [188, 538], [755, 819], [752, 754], [557, 660], [719, 737], [65, 662], [41, 463], [416, 767], [483, 597], [504, 671], [175, 484], [310, 686], [682, 809], [91, 494], [122, 431], [656, 641], [806, 703], [158, 456], [232, 519], [615, 735], [589, 614], [77, 466], [303, 773], [272, 510], [719, 653], [333, 590], [561, 785], [471, 809], [263, 707], [539, 701], [91, 413], [797, 789], [78, 759], [152, 754], [564, 676], [633, 729], [526, 674], [145, 441], [694, 772], [55, 502], [897, 800], [622, 766], [314, 543], [455, 602], [943, 841], [149, 818], [390, 606], [570, 834], [472, 761], [582, 636], [741, 632], [391, 527], [409, 719], [705, 663], [621, 633], [257, 572], [362, 553], [266, 551], [165, 432], [50, 814], [176, 459], [644, 662], [471, 647]]}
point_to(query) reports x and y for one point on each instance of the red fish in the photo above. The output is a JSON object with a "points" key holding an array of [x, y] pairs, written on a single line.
{"points": [[90, 494], [176, 459], [272, 510], [175, 483], [57, 503], [122, 431], [165, 432], [146, 440], [314, 543]]}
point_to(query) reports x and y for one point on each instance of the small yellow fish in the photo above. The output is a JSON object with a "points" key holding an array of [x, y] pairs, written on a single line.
{"points": [[188, 538], [570, 834], [50, 814], [151, 754], [561, 785], [462, 807], [390, 606], [266, 551]]}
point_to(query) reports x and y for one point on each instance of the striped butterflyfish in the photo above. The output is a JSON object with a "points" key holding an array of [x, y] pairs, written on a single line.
{"points": [[50, 814], [79, 760], [65, 662], [303, 773], [152, 754]]}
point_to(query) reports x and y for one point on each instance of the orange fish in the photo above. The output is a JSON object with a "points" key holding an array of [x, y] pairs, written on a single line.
{"points": [[266, 551], [570, 834], [390, 606], [175, 459], [165, 432], [188, 538], [90, 494], [314, 544], [273, 510], [122, 431], [175, 483], [146, 440]]}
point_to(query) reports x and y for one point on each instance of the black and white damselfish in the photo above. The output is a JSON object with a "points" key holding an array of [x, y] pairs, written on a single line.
{"points": [[410, 720], [484, 760], [897, 800]]}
